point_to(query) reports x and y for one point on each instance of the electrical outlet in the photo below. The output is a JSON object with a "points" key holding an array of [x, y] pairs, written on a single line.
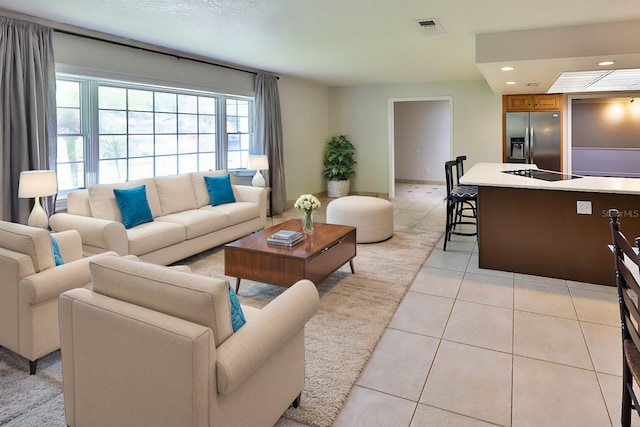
{"points": [[426, 171], [583, 207]]}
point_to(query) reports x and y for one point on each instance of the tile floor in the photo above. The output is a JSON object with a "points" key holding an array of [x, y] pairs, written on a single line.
{"points": [[475, 347]]}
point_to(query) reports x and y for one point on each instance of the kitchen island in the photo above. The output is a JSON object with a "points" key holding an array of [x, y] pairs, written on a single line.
{"points": [[533, 226]]}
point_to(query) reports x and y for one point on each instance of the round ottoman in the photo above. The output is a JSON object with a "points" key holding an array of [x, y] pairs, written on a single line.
{"points": [[372, 216]]}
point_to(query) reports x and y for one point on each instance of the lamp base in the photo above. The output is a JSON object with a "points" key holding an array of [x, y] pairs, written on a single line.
{"points": [[258, 180], [38, 217]]}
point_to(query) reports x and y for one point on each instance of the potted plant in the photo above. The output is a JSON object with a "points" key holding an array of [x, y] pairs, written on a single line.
{"points": [[338, 165]]}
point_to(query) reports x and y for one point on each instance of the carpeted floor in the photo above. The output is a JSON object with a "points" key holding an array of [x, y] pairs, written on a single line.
{"points": [[354, 312], [30, 400]]}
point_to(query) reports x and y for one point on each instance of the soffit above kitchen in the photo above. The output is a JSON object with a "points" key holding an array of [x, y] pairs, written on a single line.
{"points": [[539, 57]]}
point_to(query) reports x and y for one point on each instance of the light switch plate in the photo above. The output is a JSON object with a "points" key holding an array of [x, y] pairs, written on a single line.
{"points": [[583, 207]]}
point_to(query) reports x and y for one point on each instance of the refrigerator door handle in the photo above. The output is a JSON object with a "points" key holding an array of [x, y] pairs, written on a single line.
{"points": [[526, 145], [531, 145]]}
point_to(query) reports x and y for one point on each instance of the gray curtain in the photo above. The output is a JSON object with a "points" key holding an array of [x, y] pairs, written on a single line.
{"points": [[269, 135], [27, 110]]}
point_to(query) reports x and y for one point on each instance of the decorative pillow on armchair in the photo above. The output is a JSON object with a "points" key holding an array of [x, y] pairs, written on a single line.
{"points": [[237, 316], [56, 251]]}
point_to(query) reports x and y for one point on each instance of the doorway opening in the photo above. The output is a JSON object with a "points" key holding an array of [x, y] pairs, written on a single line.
{"points": [[420, 139]]}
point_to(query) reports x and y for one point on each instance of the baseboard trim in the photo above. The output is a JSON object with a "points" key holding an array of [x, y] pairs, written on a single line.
{"points": [[418, 181]]}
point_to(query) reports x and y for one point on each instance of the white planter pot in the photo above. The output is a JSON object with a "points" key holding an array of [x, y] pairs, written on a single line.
{"points": [[337, 188]]}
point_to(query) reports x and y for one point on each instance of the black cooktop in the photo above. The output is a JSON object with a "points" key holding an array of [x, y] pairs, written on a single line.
{"points": [[542, 174]]}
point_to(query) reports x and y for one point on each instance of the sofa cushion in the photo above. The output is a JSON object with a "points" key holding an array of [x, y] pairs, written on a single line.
{"points": [[133, 205], [198, 222], [198, 299], [200, 188], [175, 194], [155, 235], [237, 212], [220, 190], [104, 205]]}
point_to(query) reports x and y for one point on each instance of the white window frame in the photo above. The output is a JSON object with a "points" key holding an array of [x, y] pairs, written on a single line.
{"points": [[89, 118]]}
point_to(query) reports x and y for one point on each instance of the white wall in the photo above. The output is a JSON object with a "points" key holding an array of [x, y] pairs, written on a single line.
{"points": [[362, 113], [422, 139], [305, 107]]}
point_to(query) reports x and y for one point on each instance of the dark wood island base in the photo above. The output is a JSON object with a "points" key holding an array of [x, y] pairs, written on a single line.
{"points": [[539, 232]]}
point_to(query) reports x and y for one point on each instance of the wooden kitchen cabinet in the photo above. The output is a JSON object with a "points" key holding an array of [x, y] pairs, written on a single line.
{"points": [[535, 102]]}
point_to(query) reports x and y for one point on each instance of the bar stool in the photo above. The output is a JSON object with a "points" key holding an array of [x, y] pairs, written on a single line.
{"points": [[466, 206], [457, 197]]}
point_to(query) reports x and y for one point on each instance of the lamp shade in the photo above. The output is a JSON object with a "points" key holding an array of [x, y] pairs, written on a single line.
{"points": [[37, 183], [258, 163]]}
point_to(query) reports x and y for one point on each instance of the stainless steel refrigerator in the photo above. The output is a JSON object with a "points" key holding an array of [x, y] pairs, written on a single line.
{"points": [[534, 138]]}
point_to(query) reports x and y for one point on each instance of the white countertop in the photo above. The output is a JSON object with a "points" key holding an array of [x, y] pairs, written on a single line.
{"points": [[490, 175]]}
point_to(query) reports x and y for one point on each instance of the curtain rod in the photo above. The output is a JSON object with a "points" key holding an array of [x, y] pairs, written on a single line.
{"points": [[157, 51]]}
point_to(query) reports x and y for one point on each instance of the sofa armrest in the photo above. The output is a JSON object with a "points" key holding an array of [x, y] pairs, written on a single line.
{"points": [[259, 338], [257, 195], [247, 193], [70, 244], [183, 268], [52, 282], [99, 233]]}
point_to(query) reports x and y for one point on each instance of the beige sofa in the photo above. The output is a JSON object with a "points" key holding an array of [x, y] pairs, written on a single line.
{"points": [[184, 222], [150, 346], [31, 284]]}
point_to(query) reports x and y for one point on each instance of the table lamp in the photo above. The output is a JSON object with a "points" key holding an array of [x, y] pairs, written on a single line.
{"points": [[36, 184], [258, 163]]}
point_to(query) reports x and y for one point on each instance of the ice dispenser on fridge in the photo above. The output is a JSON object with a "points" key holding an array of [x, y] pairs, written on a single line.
{"points": [[517, 148]]}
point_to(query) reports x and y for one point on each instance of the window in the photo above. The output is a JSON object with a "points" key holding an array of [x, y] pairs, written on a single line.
{"points": [[115, 131], [238, 135], [71, 141]]}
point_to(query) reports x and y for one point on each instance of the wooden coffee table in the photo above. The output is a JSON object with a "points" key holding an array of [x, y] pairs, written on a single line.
{"points": [[321, 253]]}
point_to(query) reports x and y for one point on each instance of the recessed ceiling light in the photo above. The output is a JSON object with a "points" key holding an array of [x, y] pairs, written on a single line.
{"points": [[507, 68], [511, 83], [605, 63]]}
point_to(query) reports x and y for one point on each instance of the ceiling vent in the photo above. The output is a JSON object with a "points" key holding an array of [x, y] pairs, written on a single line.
{"points": [[430, 26], [533, 84]]}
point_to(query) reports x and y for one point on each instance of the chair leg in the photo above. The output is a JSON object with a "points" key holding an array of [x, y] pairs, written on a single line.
{"points": [[447, 229], [625, 418], [296, 402], [33, 365]]}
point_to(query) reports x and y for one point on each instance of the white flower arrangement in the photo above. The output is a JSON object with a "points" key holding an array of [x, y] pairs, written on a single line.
{"points": [[307, 202]]}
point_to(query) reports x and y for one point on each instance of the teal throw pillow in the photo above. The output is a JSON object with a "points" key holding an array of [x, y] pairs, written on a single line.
{"points": [[220, 189], [56, 251], [237, 316], [133, 205]]}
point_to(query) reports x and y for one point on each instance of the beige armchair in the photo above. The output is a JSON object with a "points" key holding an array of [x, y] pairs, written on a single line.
{"points": [[151, 346], [31, 284]]}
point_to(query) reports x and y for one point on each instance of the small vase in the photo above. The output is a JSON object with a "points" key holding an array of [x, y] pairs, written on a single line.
{"points": [[307, 221]]}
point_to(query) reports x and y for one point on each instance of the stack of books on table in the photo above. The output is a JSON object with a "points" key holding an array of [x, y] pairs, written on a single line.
{"points": [[285, 238]]}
